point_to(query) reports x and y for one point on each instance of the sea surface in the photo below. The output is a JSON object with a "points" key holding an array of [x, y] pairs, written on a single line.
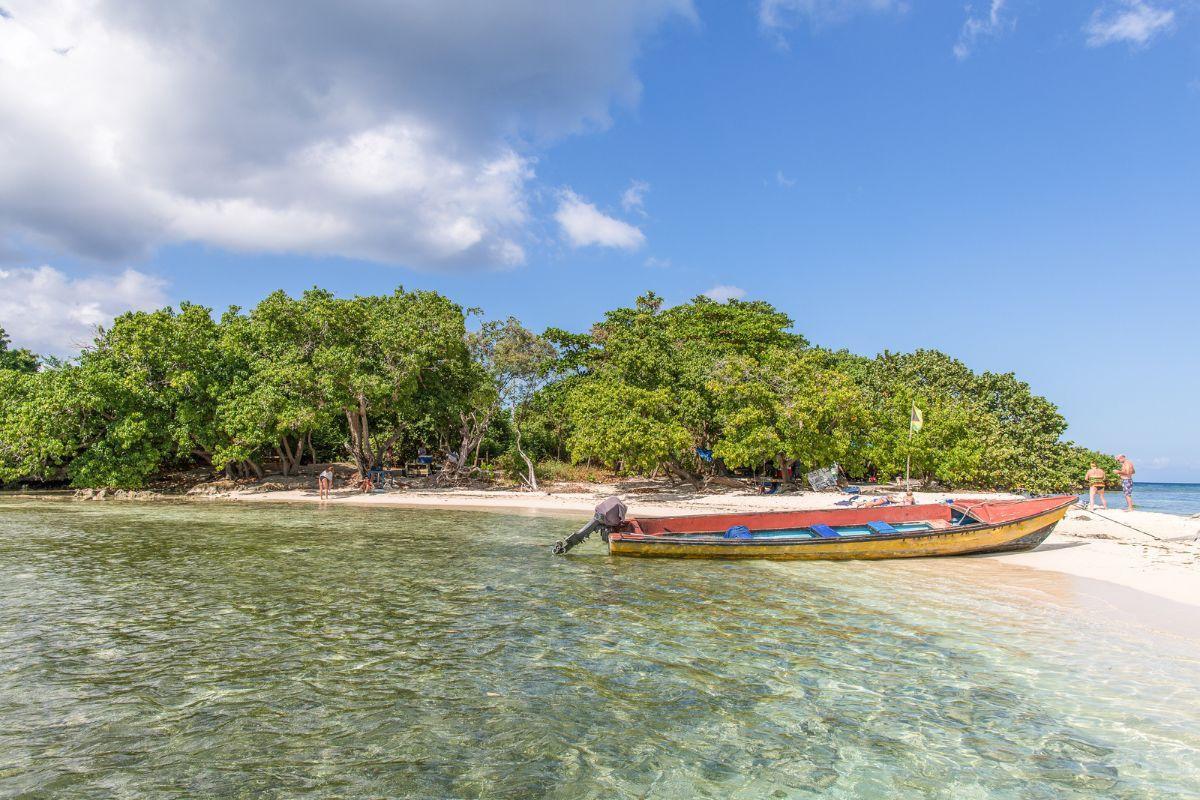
{"points": [[1167, 498], [225, 650]]}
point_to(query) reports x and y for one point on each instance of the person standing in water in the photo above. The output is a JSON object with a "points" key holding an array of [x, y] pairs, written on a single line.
{"points": [[1125, 473], [1096, 478], [325, 482]]}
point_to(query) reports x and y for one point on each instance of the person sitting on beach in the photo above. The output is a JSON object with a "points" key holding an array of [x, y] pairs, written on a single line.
{"points": [[908, 499], [1125, 473], [325, 483], [365, 484], [1096, 479]]}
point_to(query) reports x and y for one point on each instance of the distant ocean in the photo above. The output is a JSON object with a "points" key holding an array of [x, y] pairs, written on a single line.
{"points": [[1167, 498]]}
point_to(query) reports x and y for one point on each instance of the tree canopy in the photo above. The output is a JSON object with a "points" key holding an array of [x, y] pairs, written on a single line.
{"points": [[691, 389]]}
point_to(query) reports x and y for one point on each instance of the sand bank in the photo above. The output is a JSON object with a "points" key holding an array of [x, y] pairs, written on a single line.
{"points": [[1154, 553]]}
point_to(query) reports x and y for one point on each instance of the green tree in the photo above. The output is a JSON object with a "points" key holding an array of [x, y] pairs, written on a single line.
{"points": [[387, 365], [164, 370], [789, 408], [522, 364], [646, 354], [275, 402], [16, 360]]}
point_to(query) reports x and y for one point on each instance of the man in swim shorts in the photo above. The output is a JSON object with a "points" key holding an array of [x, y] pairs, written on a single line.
{"points": [[1125, 473]]}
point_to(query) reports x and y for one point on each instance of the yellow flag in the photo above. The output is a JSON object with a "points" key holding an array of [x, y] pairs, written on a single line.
{"points": [[918, 420]]}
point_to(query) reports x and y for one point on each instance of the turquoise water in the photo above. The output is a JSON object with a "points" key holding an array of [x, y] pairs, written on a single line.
{"points": [[1167, 498], [209, 650]]}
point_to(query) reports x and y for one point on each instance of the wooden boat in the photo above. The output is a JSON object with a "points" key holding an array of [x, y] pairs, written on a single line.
{"points": [[960, 528]]}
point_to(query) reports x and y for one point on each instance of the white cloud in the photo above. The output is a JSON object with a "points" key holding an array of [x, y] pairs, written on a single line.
{"points": [[723, 294], [1130, 21], [784, 180], [583, 225], [47, 311], [993, 24], [399, 132], [658, 263], [774, 15], [634, 198]]}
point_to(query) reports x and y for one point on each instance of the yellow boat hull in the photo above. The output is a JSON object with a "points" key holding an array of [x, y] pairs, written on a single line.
{"points": [[1023, 534]]}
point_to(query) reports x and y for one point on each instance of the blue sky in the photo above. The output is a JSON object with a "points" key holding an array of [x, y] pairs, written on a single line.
{"points": [[1015, 183]]}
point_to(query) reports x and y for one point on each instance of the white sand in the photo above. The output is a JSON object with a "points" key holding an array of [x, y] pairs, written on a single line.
{"points": [[1161, 558]]}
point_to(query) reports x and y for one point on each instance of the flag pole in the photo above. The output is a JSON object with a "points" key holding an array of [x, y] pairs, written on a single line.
{"points": [[908, 455]]}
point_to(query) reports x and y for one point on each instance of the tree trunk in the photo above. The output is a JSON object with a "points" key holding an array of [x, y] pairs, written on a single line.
{"points": [[475, 458], [681, 472], [287, 456], [284, 466], [366, 432], [311, 450], [355, 445], [253, 465], [298, 452], [531, 479]]}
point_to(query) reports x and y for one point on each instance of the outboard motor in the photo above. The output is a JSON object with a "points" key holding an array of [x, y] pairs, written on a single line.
{"points": [[609, 515]]}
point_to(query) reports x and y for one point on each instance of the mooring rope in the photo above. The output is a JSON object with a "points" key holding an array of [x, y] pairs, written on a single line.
{"points": [[1127, 525]]}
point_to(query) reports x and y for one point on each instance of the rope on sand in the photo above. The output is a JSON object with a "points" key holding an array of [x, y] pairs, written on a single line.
{"points": [[1127, 525]]}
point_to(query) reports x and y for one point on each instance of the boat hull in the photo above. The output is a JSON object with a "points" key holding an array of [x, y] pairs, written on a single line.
{"points": [[998, 537]]}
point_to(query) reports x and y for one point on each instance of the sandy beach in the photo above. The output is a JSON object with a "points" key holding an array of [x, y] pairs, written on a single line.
{"points": [[1158, 554]]}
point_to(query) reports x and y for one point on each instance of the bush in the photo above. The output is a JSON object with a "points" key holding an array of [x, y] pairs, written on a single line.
{"points": [[565, 472]]}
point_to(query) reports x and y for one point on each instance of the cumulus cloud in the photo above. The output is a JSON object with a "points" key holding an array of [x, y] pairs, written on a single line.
{"points": [[993, 23], [634, 198], [403, 133], [1130, 21], [774, 15], [723, 294], [45, 310], [583, 224]]}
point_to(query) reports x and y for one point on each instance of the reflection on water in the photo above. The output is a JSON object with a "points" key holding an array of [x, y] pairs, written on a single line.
{"points": [[212, 650]]}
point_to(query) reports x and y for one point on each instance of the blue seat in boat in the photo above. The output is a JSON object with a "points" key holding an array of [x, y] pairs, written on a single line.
{"points": [[824, 531], [881, 527], [738, 532]]}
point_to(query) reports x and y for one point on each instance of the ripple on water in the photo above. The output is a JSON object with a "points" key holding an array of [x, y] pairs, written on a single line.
{"points": [[210, 650]]}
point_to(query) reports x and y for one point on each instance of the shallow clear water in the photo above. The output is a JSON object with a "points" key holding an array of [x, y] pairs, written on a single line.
{"points": [[231, 650], [1166, 498]]}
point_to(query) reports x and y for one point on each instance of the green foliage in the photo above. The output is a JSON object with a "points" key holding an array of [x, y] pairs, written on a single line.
{"points": [[786, 406], [39, 431], [626, 425], [648, 390], [641, 391], [16, 360], [554, 470]]}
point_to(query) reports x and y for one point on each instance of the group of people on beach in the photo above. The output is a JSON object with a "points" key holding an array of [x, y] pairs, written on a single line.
{"points": [[1097, 480], [363, 481], [325, 483]]}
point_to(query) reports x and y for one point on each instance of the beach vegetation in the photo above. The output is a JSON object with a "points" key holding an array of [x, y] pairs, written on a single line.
{"points": [[694, 391]]}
